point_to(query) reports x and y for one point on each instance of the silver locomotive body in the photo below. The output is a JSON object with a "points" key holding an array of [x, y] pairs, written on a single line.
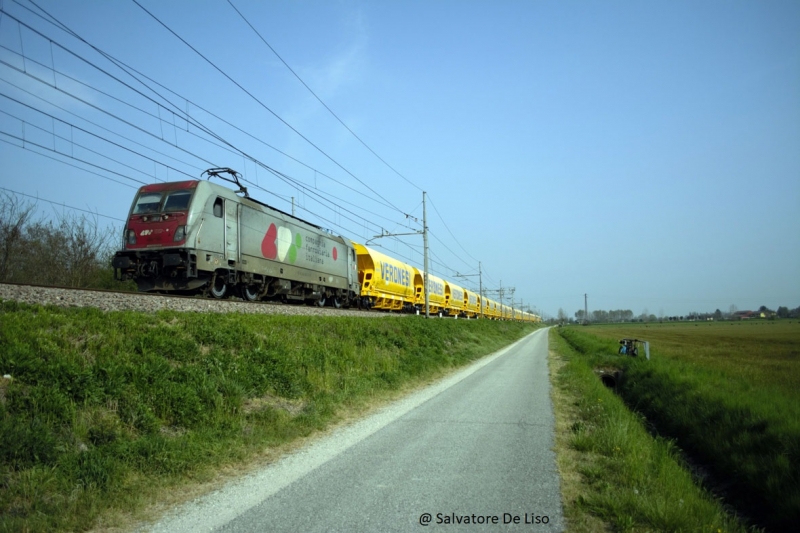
{"points": [[197, 236]]}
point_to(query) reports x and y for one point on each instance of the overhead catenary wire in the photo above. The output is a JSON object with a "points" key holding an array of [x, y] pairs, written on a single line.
{"points": [[309, 190], [450, 232], [118, 145], [61, 108], [28, 142], [258, 101], [232, 147], [320, 99], [94, 106], [449, 250], [187, 118], [128, 69], [282, 175], [62, 204], [277, 173], [99, 69], [69, 164]]}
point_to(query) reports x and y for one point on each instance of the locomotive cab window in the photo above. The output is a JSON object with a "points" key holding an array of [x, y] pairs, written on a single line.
{"points": [[178, 201], [147, 202], [218, 207]]}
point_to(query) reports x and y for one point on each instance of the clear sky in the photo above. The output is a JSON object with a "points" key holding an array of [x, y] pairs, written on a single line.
{"points": [[645, 153]]}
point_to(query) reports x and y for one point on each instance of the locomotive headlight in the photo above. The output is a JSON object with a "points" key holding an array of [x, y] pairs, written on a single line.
{"points": [[130, 237], [180, 234]]}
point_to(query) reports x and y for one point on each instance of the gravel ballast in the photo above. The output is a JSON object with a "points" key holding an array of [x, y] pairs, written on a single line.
{"points": [[150, 303]]}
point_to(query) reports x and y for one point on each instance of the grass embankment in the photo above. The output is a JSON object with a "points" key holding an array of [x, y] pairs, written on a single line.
{"points": [[726, 394], [615, 476], [109, 412]]}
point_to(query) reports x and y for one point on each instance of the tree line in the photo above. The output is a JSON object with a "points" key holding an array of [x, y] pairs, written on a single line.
{"points": [[626, 315], [69, 250]]}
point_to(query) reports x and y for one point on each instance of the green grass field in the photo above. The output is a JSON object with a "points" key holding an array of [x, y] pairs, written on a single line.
{"points": [[109, 413], [728, 394], [615, 475]]}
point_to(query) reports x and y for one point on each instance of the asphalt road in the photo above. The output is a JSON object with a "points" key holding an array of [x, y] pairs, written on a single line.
{"points": [[473, 451]]}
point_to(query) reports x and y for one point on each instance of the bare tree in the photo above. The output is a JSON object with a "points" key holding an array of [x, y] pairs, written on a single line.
{"points": [[70, 250], [14, 218], [84, 249]]}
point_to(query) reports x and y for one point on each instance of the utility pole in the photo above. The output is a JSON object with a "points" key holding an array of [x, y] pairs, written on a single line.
{"points": [[425, 252], [585, 309], [292, 205], [480, 286], [501, 291], [424, 243], [480, 283]]}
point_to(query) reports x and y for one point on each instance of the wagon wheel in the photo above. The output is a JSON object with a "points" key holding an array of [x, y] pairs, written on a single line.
{"points": [[320, 302], [249, 292], [336, 302], [218, 287]]}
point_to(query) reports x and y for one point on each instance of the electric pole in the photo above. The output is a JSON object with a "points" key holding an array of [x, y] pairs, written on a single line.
{"points": [[585, 309], [424, 232], [480, 284], [425, 252], [501, 293]]}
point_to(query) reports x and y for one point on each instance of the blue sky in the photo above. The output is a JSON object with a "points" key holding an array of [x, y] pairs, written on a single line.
{"points": [[645, 153]]}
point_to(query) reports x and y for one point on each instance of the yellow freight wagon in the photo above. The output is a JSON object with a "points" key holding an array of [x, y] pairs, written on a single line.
{"points": [[472, 304], [489, 308], [385, 282], [436, 294], [497, 311], [454, 295]]}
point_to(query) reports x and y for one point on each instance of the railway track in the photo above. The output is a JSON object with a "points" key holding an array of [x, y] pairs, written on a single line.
{"points": [[109, 300]]}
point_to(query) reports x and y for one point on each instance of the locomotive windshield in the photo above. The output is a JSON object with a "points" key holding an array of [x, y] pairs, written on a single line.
{"points": [[151, 202], [177, 201], [147, 202]]}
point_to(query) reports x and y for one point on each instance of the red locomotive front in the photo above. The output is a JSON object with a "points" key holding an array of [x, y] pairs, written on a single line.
{"points": [[154, 252], [159, 215]]}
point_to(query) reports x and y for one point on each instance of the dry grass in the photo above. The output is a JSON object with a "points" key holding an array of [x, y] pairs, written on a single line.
{"points": [[569, 461]]}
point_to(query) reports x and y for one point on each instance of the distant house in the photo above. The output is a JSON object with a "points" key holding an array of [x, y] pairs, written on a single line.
{"points": [[744, 315]]}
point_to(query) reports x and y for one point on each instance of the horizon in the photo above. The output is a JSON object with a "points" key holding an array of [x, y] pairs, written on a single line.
{"points": [[643, 154]]}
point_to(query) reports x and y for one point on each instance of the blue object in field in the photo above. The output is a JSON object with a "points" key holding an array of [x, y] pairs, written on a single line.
{"points": [[631, 347]]}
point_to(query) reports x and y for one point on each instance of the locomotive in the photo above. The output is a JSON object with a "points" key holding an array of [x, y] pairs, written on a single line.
{"points": [[195, 236]]}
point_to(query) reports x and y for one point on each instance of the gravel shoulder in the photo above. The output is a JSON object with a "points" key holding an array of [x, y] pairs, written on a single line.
{"points": [[150, 303]]}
